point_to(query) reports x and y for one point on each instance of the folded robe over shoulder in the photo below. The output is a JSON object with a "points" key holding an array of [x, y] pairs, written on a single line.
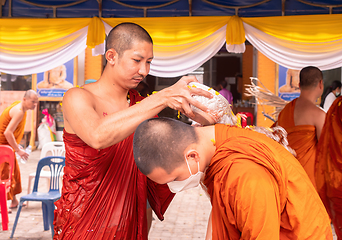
{"points": [[104, 194], [259, 190], [329, 165], [302, 139]]}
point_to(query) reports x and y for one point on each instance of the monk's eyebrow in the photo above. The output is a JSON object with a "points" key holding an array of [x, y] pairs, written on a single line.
{"points": [[139, 56]]}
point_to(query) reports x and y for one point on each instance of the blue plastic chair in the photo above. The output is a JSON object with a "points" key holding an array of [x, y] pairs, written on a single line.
{"points": [[56, 164]]}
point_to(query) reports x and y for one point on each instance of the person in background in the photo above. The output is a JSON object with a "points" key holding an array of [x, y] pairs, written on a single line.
{"points": [[303, 119], [225, 92], [330, 95], [12, 126], [257, 188]]}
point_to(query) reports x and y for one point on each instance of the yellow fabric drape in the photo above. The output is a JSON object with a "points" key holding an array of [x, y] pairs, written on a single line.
{"points": [[96, 33], [171, 31], [28, 36], [235, 33], [306, 28]]}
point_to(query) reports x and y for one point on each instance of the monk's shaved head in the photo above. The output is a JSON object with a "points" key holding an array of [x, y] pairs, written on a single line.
{"points": [[122, 36], [30, 93], [161, 142], [309, 77]]}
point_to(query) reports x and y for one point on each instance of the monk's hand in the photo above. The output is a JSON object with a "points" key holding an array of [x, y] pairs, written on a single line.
{"points": [[179, 96], [24, 155]]}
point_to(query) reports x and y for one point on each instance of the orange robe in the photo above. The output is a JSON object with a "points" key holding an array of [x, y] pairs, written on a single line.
{"points": [[18, 135], [302, 139], [104, 194], [258, 190], [329, 165]]}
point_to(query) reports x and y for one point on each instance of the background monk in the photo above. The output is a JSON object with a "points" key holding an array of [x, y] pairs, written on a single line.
{"points": [[329, 165], [104, 194], [258, 190], [12, 126], [303, 119]]}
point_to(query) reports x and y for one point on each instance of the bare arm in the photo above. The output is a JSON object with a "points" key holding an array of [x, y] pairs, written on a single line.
{"points": [[17, 116], [97, 132], [319, 122], [209, 235]]}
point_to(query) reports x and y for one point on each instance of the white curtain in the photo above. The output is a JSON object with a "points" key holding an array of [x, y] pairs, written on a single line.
{"points": [[22, 64], [296, 55]]}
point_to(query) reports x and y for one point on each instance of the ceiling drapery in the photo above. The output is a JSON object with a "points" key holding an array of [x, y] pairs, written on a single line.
{"points": [[181, 44]]}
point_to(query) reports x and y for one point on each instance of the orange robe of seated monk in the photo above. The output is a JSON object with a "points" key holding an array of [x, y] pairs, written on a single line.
{"points": [[258, 190], [18, 135], [329, 165], [104, 194], [302, 139]]}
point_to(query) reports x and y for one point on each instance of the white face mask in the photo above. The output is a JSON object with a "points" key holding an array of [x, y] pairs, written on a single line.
{"points": [[190, 182]]}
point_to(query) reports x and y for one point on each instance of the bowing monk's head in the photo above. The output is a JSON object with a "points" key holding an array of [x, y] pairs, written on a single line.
{"points": [[30, 100], [310, 78], [168, 150], [129, 52]]}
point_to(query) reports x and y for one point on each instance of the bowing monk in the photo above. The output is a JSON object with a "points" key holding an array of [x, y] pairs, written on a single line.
{"points": [[258, 190], [12, 126], [303, 119], [329, 165], [104, 194]]}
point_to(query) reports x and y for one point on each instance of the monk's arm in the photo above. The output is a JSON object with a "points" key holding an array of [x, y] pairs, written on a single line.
{"points": [[17, 116], [254, 198], [319, 122], [79, 112], [209, 235]]}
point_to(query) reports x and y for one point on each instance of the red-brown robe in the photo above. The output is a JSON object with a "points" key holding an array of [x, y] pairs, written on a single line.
{"points": [[104, 194], [329, 165]]}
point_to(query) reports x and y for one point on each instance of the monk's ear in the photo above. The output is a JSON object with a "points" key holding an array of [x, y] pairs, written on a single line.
{"points": [[192, 155], [111, 56]]}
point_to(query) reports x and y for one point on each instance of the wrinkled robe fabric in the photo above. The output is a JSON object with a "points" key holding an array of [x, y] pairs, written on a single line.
{"points": [[302, 139], [18, 135], [259, 190], [104, 194], [329, 165]]}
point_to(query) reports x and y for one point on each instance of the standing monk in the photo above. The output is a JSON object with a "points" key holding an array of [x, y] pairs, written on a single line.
{"points": [[104, 194], [258, 190], [12, 126], [303, 119], [329, 165]]}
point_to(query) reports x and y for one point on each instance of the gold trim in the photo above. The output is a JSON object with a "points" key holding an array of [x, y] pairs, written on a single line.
{"points": [[235, 7], [145, 8], [330, 6], [54, 6]]}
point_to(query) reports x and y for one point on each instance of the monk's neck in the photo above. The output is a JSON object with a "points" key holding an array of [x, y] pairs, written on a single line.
{"points": [[308, 97], [22, 107], [111, 88], [207, 141]]}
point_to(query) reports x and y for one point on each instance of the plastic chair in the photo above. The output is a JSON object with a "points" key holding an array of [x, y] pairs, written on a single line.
{"points": [[244, 116], [56, 164], [6, 155], [49, 149]]}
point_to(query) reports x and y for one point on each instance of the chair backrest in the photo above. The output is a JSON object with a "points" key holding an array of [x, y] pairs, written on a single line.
{"points": [[7, 155], [53, 149], [56, 165]]}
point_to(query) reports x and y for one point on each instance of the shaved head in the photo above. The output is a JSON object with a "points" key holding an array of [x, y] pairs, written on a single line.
{"points": [[30, 93], [161, 142], [122, 36], [309, 77]]}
